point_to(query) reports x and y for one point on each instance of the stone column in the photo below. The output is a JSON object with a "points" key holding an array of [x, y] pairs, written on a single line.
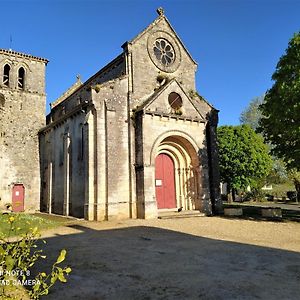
{"points": [[49, 192], [101, 168], [193, 187], [149, 192], [180, 188], [89, 159], [197, 183], [67, 149]]}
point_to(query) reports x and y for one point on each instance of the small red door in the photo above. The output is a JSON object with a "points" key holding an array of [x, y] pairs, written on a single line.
{"points": [[18, 194], [165, 181]]}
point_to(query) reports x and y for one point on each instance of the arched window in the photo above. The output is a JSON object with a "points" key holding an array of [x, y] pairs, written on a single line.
{"points": [[6, 72], [21, 78]]}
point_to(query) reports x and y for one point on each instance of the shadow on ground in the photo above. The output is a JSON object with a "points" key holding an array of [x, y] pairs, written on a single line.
{"points": [[152, 263]]}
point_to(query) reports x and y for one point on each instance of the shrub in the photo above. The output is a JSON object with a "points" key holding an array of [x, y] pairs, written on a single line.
{"points": [[292, 195], [18, 256], [255, 195]]}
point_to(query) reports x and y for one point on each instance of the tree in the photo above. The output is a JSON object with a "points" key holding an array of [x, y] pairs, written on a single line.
{"points": [[280, 122], [251, 114], [295, 177], [243, 157]]}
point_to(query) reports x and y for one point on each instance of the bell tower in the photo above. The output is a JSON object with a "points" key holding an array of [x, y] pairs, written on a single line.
{"points": [[22, 115]]}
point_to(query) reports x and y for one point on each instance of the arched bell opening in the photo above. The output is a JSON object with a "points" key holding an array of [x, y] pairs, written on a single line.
{"points": [[177, 175]]}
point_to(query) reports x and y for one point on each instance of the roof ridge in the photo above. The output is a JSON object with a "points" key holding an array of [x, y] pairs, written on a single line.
{"points": [[67, 93], [201, 98], [118, 58], [154, 95]]}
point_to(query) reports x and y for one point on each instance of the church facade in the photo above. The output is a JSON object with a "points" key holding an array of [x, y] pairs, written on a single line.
{"points": [[134, 139]]}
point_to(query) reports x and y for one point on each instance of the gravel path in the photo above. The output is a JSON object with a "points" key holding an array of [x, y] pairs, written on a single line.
{"points": [[190, 258]]}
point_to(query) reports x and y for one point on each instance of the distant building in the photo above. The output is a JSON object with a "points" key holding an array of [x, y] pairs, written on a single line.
{"points": [[134, 139]]}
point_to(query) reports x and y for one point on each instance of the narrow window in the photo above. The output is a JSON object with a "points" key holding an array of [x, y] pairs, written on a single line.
{"points": [[21, 78], [6, 72]]}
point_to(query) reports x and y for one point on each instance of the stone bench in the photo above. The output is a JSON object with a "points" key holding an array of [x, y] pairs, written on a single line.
{"points": [[233, 211], [271, 212]]}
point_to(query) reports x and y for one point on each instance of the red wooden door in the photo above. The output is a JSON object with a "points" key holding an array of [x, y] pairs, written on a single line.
{"points": [[18, 194], [165, 181]]}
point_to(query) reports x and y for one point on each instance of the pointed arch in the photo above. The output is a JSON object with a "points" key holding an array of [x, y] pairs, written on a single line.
{"points": [[6, 74], [21, 78]]}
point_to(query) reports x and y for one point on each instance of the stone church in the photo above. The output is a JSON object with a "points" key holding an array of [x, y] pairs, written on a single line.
{"points": [[134, 140]]}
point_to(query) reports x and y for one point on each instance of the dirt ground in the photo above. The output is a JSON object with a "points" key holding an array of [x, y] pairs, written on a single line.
{"points": [[188, 258]]}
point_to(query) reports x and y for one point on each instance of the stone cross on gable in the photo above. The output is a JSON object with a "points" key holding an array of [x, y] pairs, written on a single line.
{"points": [[160, 11]]}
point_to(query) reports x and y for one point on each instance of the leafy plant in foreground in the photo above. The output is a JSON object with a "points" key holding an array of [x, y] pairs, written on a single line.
{"points": [[17, 256]]}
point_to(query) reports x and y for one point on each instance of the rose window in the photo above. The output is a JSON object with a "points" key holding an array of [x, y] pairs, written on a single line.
{"points": [[164, 52]]}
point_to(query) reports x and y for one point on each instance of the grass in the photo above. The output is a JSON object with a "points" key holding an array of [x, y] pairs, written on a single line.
{"points": [[22, 222]]}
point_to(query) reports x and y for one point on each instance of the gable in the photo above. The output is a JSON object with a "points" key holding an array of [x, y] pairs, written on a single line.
{"points": [[172, 100], [162, 24], [158, 51]]}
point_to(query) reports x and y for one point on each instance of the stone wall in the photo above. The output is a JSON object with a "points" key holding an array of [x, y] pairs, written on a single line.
{"points": [[151, 130], [145, 72], [63, 164], [22, 114], [113, 70], [113, 180]]}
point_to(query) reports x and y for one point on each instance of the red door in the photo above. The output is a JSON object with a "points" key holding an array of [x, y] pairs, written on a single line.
{"points": [[18, 194], [164, 181]]}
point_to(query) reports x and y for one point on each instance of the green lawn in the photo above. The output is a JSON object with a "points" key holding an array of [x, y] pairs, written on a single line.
{"points": [[23, 222]]}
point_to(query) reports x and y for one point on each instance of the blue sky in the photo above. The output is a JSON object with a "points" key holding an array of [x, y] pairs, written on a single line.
{"points": [[236, 43]]}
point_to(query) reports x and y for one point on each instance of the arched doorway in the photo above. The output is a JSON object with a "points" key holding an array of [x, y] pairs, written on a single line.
{"points": [[177, 174], [165, 181]]}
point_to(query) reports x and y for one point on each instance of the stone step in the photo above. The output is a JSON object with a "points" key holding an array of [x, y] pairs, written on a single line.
{"points": [[182, 214]]}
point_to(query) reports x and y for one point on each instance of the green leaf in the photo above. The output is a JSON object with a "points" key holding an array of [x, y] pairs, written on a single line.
{"points": [[281, 111], [61, 256], [61, 277], [9, 261], [2, 251], [53, 278], [243, 157]]}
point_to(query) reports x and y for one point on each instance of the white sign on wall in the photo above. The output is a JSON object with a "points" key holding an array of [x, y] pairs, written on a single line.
{"points": [[158, 182]]}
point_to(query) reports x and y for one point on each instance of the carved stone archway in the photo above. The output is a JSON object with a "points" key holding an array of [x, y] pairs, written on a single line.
{"points": [[187, 170]]}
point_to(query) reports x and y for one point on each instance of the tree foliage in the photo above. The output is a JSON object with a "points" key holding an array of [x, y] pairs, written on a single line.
{"points": [[280, 122], [295, 177], [251, 114], [243, 156]]}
